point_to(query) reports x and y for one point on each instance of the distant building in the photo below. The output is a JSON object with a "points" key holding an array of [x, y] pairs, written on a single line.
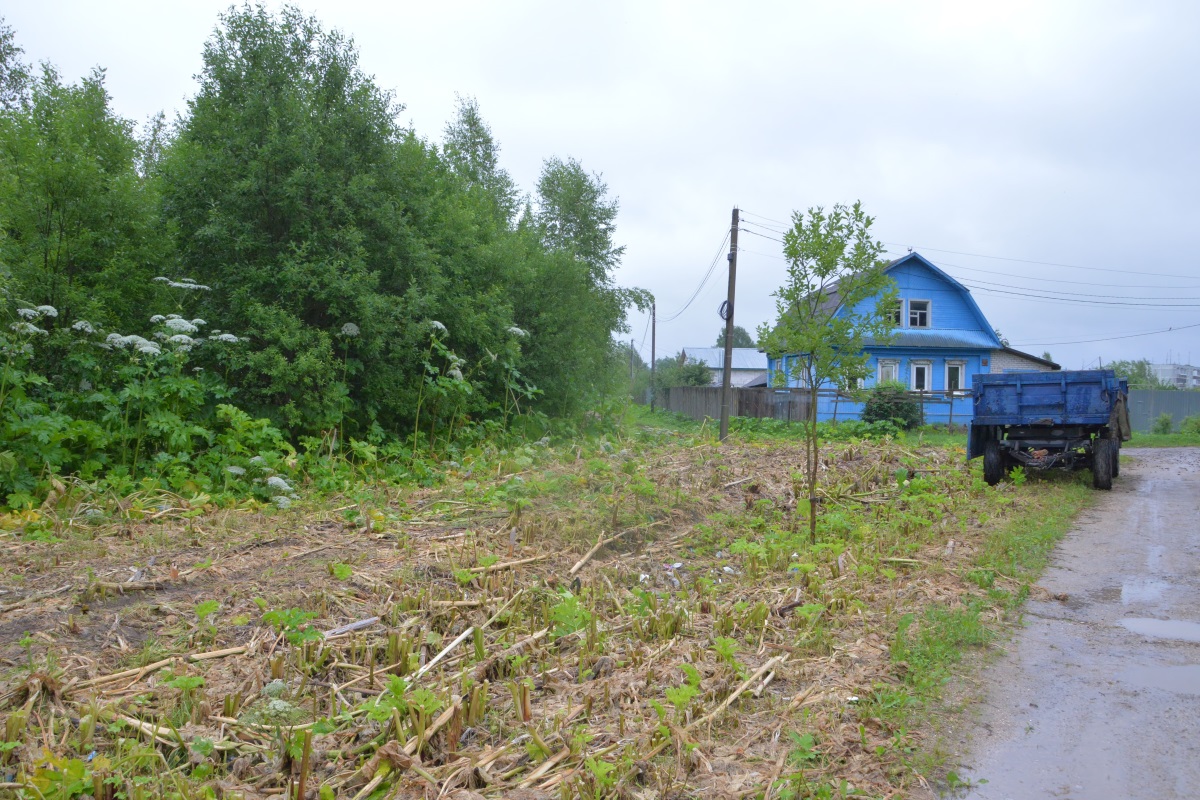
{"points": [[1181, 376], [748, 367]]}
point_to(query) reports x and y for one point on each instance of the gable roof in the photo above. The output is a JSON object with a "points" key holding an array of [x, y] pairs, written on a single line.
{"points": [[714, 357], [984, 337]]}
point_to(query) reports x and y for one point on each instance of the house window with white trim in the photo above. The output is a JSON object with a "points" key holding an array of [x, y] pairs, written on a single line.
{"points": [[889, 371], [921, 371], [918, 313], [896, 312], [955, 375]]}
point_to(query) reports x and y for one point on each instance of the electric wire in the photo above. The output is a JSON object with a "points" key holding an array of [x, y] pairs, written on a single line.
{"points": [[700, 288], [770, 228], [1083, 302], [1042, 263], [1109, 338], [941, 263], [760, 216], [762, 235]]}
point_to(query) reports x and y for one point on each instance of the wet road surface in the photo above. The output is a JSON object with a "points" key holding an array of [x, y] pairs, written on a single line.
{"points": [[1098, 697]]}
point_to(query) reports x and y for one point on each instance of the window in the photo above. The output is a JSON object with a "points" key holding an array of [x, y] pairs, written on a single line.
{"points": [[920, 377], [889, 371], [918, 313], [896, 312], [954, 376]]}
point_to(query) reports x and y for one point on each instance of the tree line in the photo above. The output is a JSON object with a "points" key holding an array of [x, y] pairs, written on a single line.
{"points": [[288, 248]]}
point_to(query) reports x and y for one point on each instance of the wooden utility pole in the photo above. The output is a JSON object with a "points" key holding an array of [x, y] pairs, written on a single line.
{"points": [[726, 375], [653, 336], [631, 365]]}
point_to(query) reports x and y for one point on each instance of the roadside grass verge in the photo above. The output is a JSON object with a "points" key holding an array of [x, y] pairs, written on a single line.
{"points": [[1163, 440], [635, 611]]}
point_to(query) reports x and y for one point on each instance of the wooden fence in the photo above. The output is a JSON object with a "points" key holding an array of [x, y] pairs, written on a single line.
{"points": [[698, 402], [791, 405]]}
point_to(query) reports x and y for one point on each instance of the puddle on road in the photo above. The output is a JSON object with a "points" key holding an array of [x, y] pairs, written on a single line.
{"points": [[1165, 628], [1142, 590], [1180, 680]]}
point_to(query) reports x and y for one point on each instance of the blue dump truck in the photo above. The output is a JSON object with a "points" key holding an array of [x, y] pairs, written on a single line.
{"points": [[1046, 420]]}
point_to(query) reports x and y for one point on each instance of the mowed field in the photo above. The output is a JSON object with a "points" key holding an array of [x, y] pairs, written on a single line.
{"points": [[630, 616]]}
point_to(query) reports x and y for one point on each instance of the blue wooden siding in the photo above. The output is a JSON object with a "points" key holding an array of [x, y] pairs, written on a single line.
{"points": [[958, 332]]}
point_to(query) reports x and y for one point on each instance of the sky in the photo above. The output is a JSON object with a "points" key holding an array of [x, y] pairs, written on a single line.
{"points": [[1045, 154]]}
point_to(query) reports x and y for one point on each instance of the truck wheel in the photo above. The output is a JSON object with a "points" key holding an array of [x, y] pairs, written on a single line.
{"points": [[993, 463], [1116, 451], [1102, 463]]}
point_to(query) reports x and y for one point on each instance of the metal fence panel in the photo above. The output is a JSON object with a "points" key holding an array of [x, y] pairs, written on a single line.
{"points": [[1145, 405]]}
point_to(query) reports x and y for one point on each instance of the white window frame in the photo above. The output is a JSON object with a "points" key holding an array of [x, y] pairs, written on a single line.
{"points": [[961, 366], [891, 364], [912, 375], [898, 319], [928, 313]]}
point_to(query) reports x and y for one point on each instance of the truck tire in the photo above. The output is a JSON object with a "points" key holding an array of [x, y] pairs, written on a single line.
{"points": [[1116, 448], [1103, 454], [993, 463]]}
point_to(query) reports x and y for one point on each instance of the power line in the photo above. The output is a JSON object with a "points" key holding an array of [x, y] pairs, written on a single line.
{"points": [[1042, 263], [700, 288], [770, 228], [764, 255], [1082, 294], [1110, 338], [762, 235], [1084, 302], [768, 219], [941, 263]]}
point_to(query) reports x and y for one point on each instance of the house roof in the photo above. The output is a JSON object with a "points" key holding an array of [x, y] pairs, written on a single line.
{"points": [[922, 337], [714, 357], [1032, 357]]}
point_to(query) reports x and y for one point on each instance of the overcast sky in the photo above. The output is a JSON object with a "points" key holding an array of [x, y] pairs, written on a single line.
{"points": [[1015, 138]]}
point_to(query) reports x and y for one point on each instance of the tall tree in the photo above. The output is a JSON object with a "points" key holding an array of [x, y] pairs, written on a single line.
{"points": [[474, 156], [289, 180], [82, 230], [575, 215], [741, 337], [14, 73], [836, 296]]}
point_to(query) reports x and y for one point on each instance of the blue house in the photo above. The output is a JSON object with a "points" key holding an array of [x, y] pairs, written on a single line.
{"points": [[942, 339]]}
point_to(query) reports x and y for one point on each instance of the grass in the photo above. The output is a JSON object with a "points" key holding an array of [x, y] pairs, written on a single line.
{"points": [[1163, 440], [594, 619]]}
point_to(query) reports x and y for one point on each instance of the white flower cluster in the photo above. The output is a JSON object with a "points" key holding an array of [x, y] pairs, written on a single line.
{"points": [[133, 342], [27, 328], [83, 326], [182, 325], [350, 330], [515, 331], [187, 284], [437, 326]]}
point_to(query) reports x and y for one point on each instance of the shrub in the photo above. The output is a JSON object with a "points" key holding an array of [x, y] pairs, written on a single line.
{"points": [[891, 402], [1163, 423], [1190, 425]]}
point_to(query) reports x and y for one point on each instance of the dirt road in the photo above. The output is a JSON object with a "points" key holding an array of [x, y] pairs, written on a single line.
{"points": [[1099, 695]]}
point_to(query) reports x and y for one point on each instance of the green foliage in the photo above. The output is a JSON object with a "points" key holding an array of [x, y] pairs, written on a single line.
{"points": [[1139, 373], [890, 402], [292, 623], [568, 615], [1163, 424], [1190, 426], [676, 371], [741, 337], [836, 296]]}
